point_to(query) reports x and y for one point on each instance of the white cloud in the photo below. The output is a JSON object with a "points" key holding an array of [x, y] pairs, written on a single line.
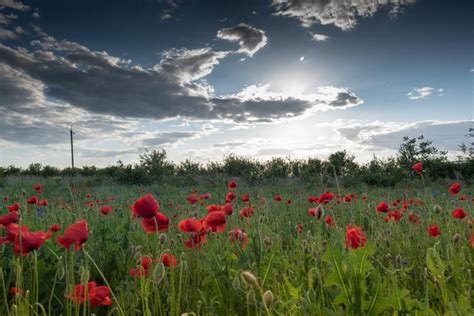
{"points": [[420, 93], [341, 13], [7, 34], [249, 38], [319, 37]]}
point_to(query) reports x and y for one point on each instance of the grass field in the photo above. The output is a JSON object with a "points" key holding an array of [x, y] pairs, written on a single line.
{"points": [[308, 254]]}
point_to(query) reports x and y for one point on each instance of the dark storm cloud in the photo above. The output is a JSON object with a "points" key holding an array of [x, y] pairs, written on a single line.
{"points": [[341, 13], [103, 84], [248, 37], [345, 99]]}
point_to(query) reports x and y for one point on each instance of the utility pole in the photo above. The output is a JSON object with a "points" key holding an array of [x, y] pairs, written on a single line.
{"points": [[72, 148]]}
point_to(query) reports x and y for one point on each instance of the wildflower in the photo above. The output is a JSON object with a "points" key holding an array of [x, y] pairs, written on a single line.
{"points": [[458, 213], [32, 200], [329, 221], [230, 196], [54, 228], [239, 235], [418, 168], [232, 185], [216, 220], [157, 223], [213, 208], [7, 219], [454, 188], [27, 241], [246, 211], [355, 237], [245, 198], [37, 188], [13, 207], [413, 219], [382, 207], [96, 295], [106, 209], [433, 231], [299, 228], [228, 209], [277, 198], [75, 234], [192, 199], [145, 206], [168, 260]]}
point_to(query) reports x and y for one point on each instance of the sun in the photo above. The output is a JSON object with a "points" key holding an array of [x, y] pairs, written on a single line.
{"points": [[292, 84]]}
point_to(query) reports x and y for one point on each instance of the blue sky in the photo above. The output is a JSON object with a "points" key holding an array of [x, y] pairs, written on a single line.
{"points": [[203, 79]]}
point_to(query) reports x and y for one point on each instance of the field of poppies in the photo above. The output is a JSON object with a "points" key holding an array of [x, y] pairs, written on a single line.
{"points": [[69, 247]]}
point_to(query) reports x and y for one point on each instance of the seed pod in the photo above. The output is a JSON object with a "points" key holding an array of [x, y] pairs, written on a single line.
{"points": [[456, 238], [163, 238], [268, 298], [249, 278]]}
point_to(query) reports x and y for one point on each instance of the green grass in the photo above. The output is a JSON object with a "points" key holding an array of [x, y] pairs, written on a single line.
{"points": [[401, 270]]}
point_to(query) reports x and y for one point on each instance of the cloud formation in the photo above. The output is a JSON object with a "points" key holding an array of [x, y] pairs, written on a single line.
{"points": [[249, 38], [420, 93], [341, 13]]}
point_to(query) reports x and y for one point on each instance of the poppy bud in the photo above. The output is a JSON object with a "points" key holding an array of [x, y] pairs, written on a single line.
{"points": [[249, 278], [456, 238], [162, 238], [268, 298], [236, 283], [319, 212], [251, 297], [436, 208], [267, 241]]}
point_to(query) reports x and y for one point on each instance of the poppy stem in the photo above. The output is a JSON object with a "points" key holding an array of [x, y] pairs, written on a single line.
{"points": [[105, 281]]}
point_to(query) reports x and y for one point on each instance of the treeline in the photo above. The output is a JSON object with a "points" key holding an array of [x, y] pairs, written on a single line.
{"points": [[153, 167]]}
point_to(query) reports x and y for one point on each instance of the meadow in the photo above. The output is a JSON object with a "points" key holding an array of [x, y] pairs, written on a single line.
{"points": [[72, 247]]}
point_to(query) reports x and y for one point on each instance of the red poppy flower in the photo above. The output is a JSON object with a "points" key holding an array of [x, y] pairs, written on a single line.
{"points": [[145, 206], [433, 231], [54, 228], [205, 196], [288, 202], [106, 209], [7, 219], [192, 198], [216, 220], [245, 198], [413, 218], [312, 211], [348, 198], [228, 209], [28, 241], [418, 168], [329, 221], [395, 216], [239, 235], [454, 188], [472, 239], [382, 207], [37, 188], [143, 268], [213, 208], [43, 202], [195, 241], [75, 234], [458, 213], [246, 211], [230, 196], [32, 200], [157, 223], [299, 228], [232, 185], [14, 291], [355, 237], [325, 197], [168, 260], [462, 197], [277, 198], [99, 296], [14, 207], [190, 225]]}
